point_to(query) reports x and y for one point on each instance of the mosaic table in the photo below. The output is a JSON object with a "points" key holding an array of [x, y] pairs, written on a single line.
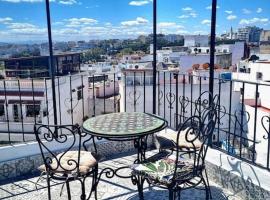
{"points": [[125, 126]]}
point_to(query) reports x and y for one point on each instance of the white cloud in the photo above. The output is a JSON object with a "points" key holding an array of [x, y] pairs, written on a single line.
{"points": [[210, 7], [63, 2], [82, 32], [228, 12], [231, 17], [193, 14], [189, 12], [253, 21], [187, 9], [206, 22], [166, 24], [138, 21], [183, 16], [68, 2], [30, 31], [21, 1], [57, 23], [259, 10], [170, 28], [200, 33], [21, 26], [77, 22], [95, 6], [108, 24], [25, 29], [139, 3], [246, 11], [5, 20]]}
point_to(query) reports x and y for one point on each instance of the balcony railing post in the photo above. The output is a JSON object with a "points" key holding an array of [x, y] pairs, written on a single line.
{"points": [[212, 56], [51, 63], [154, 54], [212, 50]]}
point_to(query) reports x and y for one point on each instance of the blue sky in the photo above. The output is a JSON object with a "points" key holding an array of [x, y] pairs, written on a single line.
{"points": [[98, 19]]}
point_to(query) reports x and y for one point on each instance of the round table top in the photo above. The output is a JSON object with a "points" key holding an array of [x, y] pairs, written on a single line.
{"points": [[123, 125]]}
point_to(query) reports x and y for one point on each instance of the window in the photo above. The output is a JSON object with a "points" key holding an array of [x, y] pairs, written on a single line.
{"points": [[45, 112], [32, 110], [259, 75], [2, 110], [79, 94]]}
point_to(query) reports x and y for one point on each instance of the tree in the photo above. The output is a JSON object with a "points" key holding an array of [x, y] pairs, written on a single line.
{"points": [[126, 51], [94, 54], [253, 58], [206, 66], [195, 66]]}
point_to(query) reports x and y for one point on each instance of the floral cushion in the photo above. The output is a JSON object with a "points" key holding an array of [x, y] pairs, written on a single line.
{"points": [[162, 170]]}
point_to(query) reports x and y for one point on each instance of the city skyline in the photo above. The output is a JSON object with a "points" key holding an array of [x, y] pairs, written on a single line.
{"points": [[25, 20]]}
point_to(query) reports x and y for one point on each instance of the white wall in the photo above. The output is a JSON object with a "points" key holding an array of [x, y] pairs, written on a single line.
{"points": [[262, 146]]}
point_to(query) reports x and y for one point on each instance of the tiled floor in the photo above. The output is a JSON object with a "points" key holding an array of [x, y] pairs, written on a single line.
{"points": [[115, 188]]}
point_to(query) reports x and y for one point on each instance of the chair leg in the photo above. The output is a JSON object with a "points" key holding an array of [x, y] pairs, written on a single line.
{"points": [[94, 184], [179, 194], [207, 181], [83, 196], [206, 189], [95, 181], [49, 187], [68, 190], [140, 181], [171, 194]]}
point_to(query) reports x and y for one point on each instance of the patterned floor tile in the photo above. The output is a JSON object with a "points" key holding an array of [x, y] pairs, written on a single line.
{"points": [[108, 189]]}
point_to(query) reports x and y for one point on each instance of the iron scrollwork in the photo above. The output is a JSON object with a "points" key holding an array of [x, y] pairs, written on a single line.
{"points": [[266, 121], [171, 99]]}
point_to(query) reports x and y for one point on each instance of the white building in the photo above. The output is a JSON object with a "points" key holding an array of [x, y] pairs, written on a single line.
{"points": [[255, 73], [23, 103], [196, 40], [226, 55], [186, 60], [77, 97], [237, 50]]}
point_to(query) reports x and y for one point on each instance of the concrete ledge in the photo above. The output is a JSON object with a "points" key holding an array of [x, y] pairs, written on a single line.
{"points": [[242, 179], [24, 159]]}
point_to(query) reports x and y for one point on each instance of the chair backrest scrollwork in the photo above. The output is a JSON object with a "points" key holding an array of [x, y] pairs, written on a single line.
{"points": [[65, 137]]}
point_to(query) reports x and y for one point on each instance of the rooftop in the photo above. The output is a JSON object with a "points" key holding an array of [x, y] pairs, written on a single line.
{"points": [[115, 188]]}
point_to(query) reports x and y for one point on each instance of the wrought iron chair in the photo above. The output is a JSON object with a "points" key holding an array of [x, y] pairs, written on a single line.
{"points": [[70, 165], [175, 170], [168, 139]]}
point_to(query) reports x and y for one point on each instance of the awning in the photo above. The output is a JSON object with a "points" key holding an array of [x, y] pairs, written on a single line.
{"points": [[28, 102], [22, 93]]}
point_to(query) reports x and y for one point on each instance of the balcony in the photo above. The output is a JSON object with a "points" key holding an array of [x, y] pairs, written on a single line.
{"points": [[237, 162], [239, 151], [116, 188]]}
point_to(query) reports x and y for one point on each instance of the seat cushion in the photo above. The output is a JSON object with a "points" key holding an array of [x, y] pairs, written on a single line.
{"points": [[161, 171], [167, 140], [69, 160]]}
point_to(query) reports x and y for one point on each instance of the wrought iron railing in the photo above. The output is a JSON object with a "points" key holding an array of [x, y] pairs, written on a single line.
{"points": [[243, 112], [242, 130]]}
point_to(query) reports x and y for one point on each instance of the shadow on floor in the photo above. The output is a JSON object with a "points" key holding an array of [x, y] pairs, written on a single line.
{"points": [[191, 194]]}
